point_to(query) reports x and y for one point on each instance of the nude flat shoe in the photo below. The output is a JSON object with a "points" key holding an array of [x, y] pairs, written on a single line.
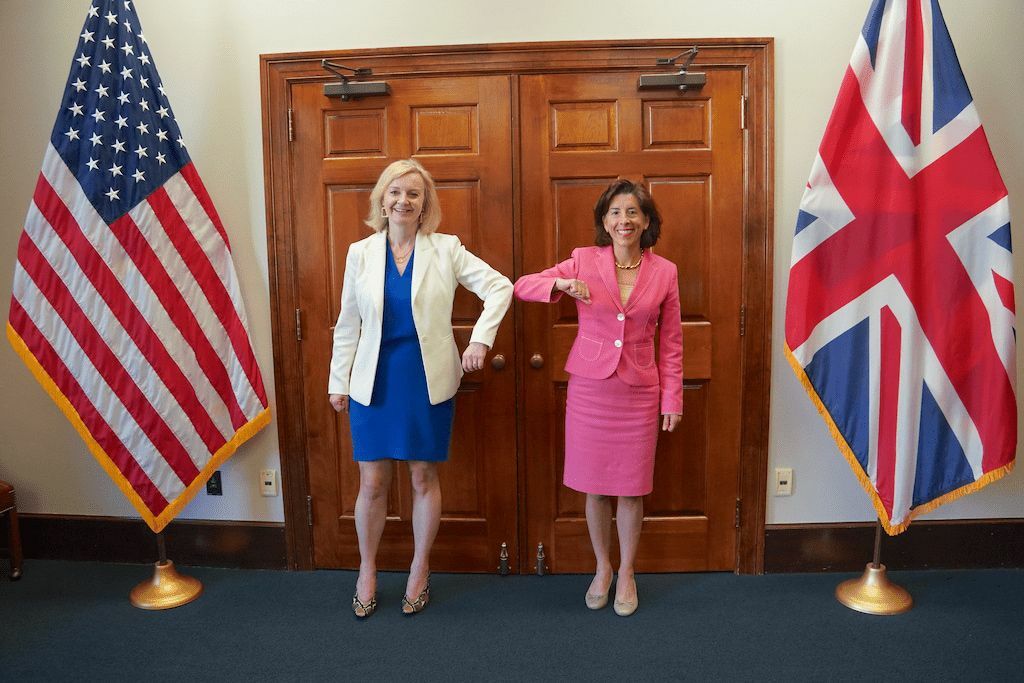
{"points": [[596, 601], [626, 607]]}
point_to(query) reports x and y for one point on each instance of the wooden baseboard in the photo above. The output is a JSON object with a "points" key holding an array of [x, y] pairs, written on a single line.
{"points": [[952, 544], [249, 545], [946, 544]]}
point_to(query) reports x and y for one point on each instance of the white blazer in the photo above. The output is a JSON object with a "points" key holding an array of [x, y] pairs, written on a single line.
{"points": [[441, 264]]}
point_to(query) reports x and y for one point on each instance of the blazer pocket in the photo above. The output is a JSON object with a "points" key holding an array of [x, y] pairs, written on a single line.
{"points": [[644, 354], [587, 348]]}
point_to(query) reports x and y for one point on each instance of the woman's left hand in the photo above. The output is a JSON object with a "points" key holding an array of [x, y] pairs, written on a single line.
{"points": [[473, 357], [669, 422]]}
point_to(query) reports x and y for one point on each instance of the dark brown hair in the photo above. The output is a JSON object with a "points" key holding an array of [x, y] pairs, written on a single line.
{"points": [[643, 198]]}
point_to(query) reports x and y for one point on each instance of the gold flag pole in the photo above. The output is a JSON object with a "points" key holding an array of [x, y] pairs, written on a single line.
{"points": [[873, 593], [167, 588]]}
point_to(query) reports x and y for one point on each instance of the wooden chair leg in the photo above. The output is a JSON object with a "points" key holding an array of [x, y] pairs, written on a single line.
{"points": [[14, 541]]}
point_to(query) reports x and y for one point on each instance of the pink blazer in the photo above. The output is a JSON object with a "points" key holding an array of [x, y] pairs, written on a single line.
{"points": [[615, 338]]}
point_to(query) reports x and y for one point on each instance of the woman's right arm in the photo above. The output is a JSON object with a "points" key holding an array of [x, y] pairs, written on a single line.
{"points": [[346, 332], [547, 286]]}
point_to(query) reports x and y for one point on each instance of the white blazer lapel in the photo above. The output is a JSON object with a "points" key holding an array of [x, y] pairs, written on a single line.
{"points": [[375, 264], [422, 261]]}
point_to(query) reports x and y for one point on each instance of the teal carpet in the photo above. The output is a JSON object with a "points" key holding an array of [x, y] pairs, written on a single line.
{"points": [[72, 621]]}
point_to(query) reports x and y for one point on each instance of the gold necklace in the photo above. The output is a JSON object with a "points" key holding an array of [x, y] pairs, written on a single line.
{"points": [[400, 259], [632, 266]]}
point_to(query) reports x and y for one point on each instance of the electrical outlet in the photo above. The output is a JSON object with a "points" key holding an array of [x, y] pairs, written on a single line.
{"points": [[783, 481], [268, 482], [213, 486]]}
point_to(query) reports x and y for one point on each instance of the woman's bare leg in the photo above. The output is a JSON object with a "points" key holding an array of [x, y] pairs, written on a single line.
{"points": [[371, 513], [426, 516], [599, 523], [629, 518]]}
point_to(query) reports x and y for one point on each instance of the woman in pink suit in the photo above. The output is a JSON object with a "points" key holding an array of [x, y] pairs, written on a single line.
{"points": [[618, 388]]}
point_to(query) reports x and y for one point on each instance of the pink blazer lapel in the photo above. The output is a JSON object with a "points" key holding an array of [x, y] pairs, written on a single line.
{"points": [[606, 266]]}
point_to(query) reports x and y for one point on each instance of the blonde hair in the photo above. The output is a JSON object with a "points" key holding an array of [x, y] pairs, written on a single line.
{"points": [[430, 219]]}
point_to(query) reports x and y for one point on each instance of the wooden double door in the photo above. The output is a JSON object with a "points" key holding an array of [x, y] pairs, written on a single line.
{"points": [[519, 160]]}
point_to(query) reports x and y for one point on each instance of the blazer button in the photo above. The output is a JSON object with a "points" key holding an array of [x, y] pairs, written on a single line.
{"points": [[618, 343], [620, 317]]}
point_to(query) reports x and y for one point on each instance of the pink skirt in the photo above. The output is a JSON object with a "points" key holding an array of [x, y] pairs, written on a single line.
{"points": [[611, 432]]}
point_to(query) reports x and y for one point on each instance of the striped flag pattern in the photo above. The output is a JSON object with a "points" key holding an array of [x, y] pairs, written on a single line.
{"points": [[900, 316], [125, 302]]}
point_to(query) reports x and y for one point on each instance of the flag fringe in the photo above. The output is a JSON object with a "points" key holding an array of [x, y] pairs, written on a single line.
{"points": [[862, 477], [155, 522], [244, 433]]}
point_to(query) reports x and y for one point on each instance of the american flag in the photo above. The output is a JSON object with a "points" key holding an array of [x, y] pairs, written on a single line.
{"points": [[125, 301], [900, 311]]}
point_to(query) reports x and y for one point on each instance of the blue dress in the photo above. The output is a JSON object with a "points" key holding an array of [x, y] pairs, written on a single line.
{"points": [[400, 423]]}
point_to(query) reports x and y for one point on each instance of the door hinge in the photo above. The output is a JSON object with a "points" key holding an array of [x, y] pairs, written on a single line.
{"points": [[309, 511], [743, 112], [291, 126], [743, 320], [737, 520], [298, 324]]}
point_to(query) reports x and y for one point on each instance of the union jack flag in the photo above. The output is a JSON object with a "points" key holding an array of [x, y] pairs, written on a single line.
{"points": [[900, 310], [125, 303]]}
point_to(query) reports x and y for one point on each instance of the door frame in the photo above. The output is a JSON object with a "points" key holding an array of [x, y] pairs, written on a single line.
{"points": [[754, 56]]}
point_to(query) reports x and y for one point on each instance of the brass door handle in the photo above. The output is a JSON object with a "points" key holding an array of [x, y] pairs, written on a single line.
{"points": [[498, 362], [537, 361]]}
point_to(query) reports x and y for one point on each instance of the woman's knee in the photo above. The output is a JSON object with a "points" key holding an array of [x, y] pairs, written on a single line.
{"points": [[423, 476], [374, 483]]}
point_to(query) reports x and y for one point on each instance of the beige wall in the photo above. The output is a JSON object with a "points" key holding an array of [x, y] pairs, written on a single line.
{"points": [[207, 54]]}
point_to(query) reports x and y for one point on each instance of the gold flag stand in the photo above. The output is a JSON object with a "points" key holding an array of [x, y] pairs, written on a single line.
{"points": [[167, 588], [873, 593]]}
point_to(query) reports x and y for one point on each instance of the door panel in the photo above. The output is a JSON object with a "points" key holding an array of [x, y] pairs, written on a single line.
{"points": [[459, 128], [579, 132]]}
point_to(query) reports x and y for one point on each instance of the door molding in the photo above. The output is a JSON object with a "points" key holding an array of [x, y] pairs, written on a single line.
{"points": [[754, 56]]}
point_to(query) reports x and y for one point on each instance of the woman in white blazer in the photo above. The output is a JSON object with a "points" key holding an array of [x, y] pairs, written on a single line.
{"points": [[395, 367]]}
